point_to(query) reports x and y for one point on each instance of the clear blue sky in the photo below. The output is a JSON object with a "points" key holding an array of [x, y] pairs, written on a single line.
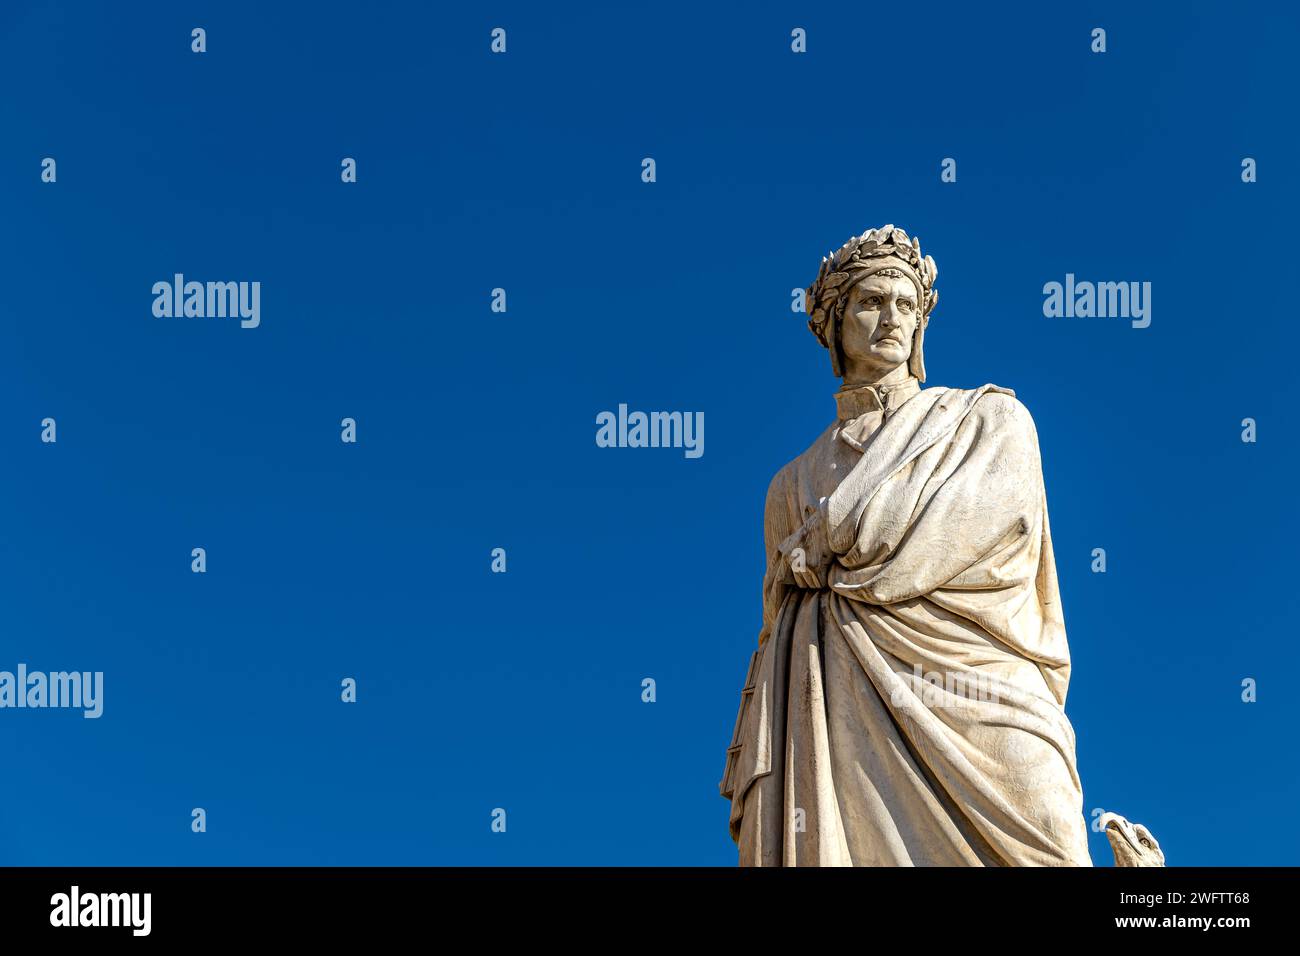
{"points": [[476, 430]]}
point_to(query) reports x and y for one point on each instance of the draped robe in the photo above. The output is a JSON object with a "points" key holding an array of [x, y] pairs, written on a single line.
{"points": [[911, 711]]}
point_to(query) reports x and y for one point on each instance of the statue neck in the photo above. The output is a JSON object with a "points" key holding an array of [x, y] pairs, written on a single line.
{"points": [[856, 378]]}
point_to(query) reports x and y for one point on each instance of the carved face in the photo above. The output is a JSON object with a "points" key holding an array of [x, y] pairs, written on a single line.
{"points": [[879, 319]]}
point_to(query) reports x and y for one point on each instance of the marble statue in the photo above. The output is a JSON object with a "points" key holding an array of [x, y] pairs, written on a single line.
{"points": [[1131, 843], [905, 705]]}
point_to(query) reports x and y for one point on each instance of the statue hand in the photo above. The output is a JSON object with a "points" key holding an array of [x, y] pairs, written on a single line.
{"points": [[807, 552]]}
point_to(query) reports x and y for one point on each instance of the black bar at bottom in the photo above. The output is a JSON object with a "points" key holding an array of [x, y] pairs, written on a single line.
{"points": [[622, 905]]}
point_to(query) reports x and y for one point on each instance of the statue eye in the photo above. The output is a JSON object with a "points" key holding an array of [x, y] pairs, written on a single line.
{"points": [[1145, 842], [905, 305], [873, 300]]}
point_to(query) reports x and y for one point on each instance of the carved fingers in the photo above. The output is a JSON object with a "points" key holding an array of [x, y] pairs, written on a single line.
{"points": [[807, 552]]}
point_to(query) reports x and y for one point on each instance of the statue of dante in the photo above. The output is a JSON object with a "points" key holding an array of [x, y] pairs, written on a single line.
{"points": [[905, 705]]}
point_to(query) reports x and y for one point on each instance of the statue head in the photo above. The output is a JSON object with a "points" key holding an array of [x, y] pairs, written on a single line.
{"points": [[871, 302]]}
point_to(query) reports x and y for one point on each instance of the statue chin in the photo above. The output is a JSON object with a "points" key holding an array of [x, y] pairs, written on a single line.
{"points": [[877, 365]]}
